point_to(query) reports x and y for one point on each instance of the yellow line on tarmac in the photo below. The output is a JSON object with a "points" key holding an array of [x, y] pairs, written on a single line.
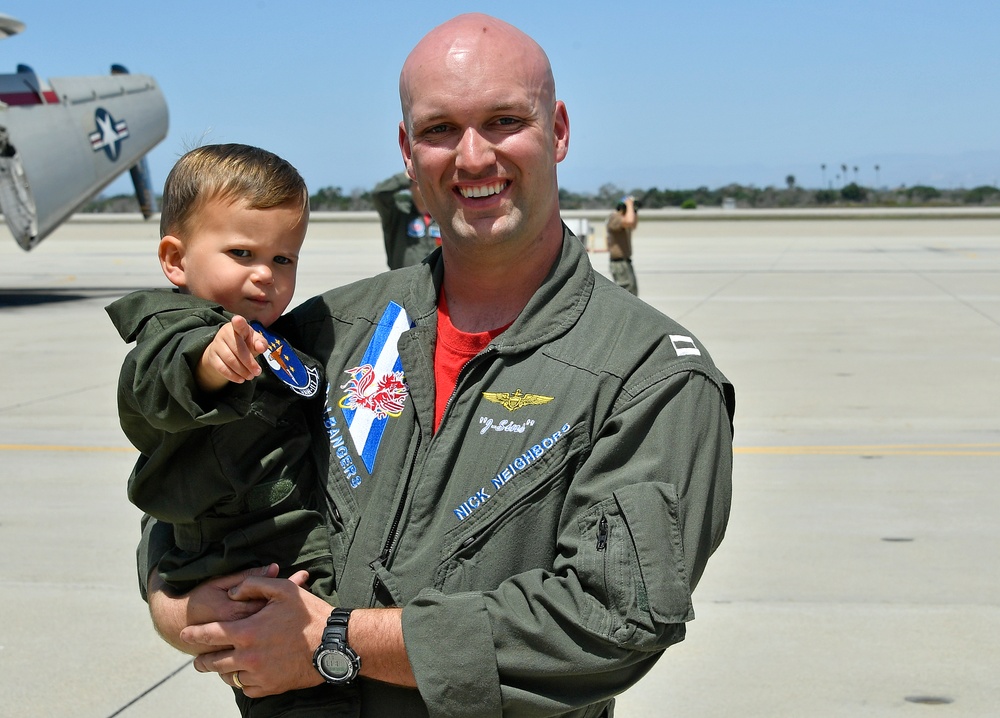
{"points": [[56, 447], [876, 449]]}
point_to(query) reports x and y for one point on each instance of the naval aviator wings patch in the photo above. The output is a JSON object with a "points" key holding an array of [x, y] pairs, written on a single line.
{"points": [[517, 400], [376, 390]]}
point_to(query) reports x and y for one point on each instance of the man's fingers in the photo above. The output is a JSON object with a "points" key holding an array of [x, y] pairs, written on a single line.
{"points": [[234, 579], [218, 662], [262, 588], [211, 635], [269, 571]]}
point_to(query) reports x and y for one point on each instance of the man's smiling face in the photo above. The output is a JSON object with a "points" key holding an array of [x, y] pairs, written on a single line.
{"points": [[482, 134]]}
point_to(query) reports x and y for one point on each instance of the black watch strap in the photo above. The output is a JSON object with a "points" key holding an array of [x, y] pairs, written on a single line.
{"points": [[336, 625], [335, 660]]}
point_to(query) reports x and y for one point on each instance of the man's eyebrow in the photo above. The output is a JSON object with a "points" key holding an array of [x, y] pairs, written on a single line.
{"points": [[513, 105], [428, 119], [501, 107]]}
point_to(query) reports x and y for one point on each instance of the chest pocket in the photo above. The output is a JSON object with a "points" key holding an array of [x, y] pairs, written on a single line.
{"points": [[515, 528]]}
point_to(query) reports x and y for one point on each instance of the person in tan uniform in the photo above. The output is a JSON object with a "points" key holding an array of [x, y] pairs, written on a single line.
{"points": [[620, 225]]}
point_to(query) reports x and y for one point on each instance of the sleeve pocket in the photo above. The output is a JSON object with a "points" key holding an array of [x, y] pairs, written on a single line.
{"points": [[650, 514], [632, 559]]}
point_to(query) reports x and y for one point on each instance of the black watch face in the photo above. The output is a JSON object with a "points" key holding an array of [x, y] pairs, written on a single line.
{"points": [[336, 664]]}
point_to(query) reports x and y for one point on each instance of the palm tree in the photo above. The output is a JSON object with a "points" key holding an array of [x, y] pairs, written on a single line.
{"points": [[876, 177], [823, 167], [855, 174], [843, 169]]}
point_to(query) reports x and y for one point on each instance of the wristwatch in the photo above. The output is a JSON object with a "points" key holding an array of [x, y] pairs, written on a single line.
{"points": [[334, 659]]}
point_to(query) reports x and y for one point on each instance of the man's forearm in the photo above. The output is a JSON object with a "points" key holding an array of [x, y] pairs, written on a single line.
{"points": [[210, 601], [377, 636], [167, 612]]}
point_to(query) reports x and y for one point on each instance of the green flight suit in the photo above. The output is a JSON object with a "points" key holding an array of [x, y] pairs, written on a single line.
{"points": [[545, 540], [232, 472]]}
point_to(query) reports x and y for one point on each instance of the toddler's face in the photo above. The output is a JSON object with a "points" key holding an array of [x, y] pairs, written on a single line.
{"points": [[245, 259]]}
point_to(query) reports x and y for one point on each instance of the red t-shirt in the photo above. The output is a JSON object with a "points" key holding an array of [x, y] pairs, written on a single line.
{"points": [[452, 351]]}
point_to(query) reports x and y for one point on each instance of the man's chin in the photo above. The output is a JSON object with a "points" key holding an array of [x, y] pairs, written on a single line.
{"points": [[488, 230]]}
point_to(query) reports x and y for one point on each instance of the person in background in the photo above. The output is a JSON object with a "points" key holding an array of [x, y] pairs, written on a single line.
{"points": [[622, 221], [409, 231]]}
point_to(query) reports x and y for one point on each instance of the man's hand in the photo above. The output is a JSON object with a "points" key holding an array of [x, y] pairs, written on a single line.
{"points": [[231, 357], [272, 647], [210, 601], [630, 218]]}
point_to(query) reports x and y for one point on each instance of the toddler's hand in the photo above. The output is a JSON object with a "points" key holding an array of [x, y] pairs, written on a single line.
{"points": [[231, 357]]}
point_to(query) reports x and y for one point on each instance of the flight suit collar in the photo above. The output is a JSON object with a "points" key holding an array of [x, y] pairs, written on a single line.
{"points": [[552, 310]]}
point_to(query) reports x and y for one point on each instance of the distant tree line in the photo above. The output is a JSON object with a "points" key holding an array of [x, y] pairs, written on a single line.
{"points": [[333, 199], [750, 196]]}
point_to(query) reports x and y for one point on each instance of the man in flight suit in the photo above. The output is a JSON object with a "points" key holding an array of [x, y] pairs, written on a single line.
{"points": [[409, 231], [529, 468]]}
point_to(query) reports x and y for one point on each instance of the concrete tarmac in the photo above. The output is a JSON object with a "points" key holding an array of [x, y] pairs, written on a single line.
{"points": [[860, 574]]}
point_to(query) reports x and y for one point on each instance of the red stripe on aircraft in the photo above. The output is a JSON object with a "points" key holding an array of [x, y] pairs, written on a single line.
{"points": [[29, 98]]}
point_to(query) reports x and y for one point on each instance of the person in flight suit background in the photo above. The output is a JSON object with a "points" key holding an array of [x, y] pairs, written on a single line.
{"points": [[409, 231]]}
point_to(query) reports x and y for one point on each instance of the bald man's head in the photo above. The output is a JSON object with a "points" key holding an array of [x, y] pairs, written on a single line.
{"points": [[477, 45], [482, 132]]}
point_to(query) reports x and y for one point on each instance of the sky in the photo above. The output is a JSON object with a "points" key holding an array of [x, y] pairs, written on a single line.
{"points": [[659, 93]]}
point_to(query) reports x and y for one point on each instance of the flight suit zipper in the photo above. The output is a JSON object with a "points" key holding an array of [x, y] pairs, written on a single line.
{"points": [[390, 541], [602, 534], [454, 392], [383, 557]]}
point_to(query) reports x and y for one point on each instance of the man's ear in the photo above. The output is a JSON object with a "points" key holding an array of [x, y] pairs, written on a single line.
{"points": [[404, 148], [561, 130], [171, 253]]}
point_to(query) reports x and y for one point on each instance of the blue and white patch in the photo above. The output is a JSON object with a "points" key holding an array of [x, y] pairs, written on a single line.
{"points": [[365, 408], [418, 227], [286, 365]]}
